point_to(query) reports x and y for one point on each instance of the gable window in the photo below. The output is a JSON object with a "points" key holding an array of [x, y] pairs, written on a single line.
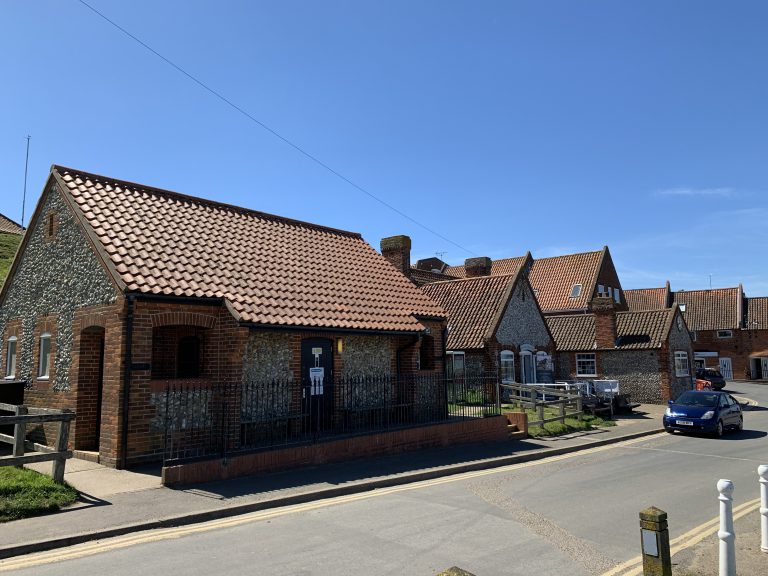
{"points": [[586, 365], [725, 333], [693, 335], [455, 365], [600, 290], [44, 364], [681, 364], [10, 358], [576, 291], [610, 292], [617, 296], [507, 363]]}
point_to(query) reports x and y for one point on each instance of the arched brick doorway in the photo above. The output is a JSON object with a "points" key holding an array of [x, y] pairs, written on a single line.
{"points": [[90, 382]]}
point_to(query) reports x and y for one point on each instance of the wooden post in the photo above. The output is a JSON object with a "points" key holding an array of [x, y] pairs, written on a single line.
{"points": [[562, 411], [541, 412], [579, 406], [61, 448], [19, 432]]}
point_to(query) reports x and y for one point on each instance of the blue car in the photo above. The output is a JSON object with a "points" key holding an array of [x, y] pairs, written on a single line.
{"points": [[703, 411]]}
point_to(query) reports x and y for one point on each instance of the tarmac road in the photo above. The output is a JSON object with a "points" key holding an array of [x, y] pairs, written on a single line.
{"points": [[574, 514]]}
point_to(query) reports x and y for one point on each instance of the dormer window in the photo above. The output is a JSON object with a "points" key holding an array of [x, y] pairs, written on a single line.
{"points": [[682, 307], [576, 291]]}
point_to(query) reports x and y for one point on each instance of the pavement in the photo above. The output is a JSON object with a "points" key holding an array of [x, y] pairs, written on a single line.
{"points": [[116, 502]]}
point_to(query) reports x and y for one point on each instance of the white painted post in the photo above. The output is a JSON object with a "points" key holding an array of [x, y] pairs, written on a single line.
{"points": [[726, 534], [763, 473]]}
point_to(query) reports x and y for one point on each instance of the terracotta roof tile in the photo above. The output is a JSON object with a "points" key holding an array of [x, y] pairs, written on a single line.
{"points": [[757, 313], [473, 306], [716, 309], [272, 270], [553, 280], [634, 330], [646, 298], [498, 267], [8, 226]]}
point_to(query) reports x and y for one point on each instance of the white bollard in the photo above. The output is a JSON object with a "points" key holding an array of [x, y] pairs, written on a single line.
{"points": [[726, 534], [763, 473]]}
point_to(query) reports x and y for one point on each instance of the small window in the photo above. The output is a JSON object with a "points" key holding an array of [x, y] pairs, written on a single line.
{"points": [[576, 291], [455, 365], [507, 361], [679, 323], [44, 365], [586, 365], [610, 292], [682, 307], [10, 358], [725, 333], [600, 290], [693, 335], [617, 296], [681, 364]]}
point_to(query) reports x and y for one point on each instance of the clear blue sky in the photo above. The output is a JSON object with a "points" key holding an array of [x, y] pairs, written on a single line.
{"points": [[506, 126]]}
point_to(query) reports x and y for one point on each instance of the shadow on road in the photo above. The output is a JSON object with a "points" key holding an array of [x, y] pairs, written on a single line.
{"points": [[745, 435]]}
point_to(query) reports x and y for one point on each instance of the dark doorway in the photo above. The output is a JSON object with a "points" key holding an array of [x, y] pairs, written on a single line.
{"points": [[90, 386], [317, 384]]}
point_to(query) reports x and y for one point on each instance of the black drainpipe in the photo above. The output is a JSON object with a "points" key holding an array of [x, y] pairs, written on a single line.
{"points": [[127, 378]]}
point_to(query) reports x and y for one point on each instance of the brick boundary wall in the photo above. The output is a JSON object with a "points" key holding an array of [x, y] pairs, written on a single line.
{"points": [[439, 435]]}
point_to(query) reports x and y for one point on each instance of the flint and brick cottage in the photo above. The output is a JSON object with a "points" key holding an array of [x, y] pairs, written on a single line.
{"points": [[120, 290], [649, 352]]}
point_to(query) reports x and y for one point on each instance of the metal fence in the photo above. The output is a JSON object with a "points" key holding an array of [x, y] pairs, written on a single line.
{"points": [[204, 421]]}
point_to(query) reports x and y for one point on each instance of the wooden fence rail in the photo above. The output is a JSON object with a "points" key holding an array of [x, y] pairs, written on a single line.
{"points": [[23, 415], [527, 396]]}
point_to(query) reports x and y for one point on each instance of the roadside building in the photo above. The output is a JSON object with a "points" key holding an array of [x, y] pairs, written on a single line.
{"points": [[139, 308], [564, 284], [649, 352], [495, 325], [755, 337], [10, 237]]}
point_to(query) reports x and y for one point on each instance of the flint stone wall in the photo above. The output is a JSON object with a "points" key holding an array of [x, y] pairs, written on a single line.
{"points": [[54, 277]]}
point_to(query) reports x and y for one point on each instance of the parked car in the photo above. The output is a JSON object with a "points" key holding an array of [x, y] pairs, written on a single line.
{"points": [[711, 412], [715, 379]]}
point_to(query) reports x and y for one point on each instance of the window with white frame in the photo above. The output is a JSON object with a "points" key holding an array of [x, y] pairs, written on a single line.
{"points": [[693, 335], [617, 296], [44, 365], [507, 361], [455, 364], [725, 333], [586, 365], [681, 364], [610, 292], [576, 291], [600, 290], [10, 357]]}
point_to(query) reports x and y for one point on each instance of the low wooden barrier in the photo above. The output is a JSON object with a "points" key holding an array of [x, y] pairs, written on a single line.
{"points": [[527, 396], [24, 415]]}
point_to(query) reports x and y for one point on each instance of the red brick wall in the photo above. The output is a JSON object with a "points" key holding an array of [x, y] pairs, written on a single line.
{"points": [[477, 430]]}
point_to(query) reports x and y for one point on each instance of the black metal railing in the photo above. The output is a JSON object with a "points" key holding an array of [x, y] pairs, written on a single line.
{"points": [[216, 420]]}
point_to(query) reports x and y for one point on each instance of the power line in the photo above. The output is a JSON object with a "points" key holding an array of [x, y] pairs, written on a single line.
{"points": [[268, 129]]}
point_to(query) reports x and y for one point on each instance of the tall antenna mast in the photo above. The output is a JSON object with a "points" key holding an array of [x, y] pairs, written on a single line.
{"points": [[24, 197]]}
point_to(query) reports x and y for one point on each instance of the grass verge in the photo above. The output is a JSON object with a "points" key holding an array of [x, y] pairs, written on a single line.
{"points": [[587, 422], [25, 493]]}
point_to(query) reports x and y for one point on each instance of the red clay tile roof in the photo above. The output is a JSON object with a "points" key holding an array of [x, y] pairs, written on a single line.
{"points": [[498, 267], [270, 270], [634, 330], [421, 277], [553, 280], [716, 309], [757, 313], [8, 226], [646, 298], [473, 306]]}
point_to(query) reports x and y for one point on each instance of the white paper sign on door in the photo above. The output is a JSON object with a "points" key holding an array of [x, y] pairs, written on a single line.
{"points": [[316, 376]]}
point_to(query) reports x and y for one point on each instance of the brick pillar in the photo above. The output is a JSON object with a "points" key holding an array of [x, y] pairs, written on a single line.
{"points": [[604, 311], [480, 266], [397, 249]]}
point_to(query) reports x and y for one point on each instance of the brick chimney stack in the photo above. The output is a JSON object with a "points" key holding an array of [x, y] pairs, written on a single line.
{"points": [[397, 249], [477, 266], [604, 309]]}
